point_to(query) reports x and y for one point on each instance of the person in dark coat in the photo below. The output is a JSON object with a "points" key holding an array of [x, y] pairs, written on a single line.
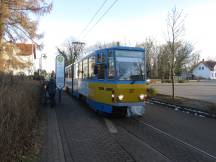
{"points": [[51, 88], [44, 92]]}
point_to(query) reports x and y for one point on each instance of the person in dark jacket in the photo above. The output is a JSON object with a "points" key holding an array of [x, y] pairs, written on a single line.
{"points": [[44, 92], [51, 88]]}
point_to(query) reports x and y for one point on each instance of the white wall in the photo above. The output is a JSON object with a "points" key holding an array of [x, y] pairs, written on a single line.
{"points": [[202, 71], [26, 71]]}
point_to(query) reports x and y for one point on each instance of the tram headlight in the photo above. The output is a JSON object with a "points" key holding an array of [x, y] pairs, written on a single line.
{"points": [[142, 96], [120, 97], [148, 81]]}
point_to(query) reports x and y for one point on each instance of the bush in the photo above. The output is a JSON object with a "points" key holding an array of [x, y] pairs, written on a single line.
{"points": [[18, 116], [182, 81], [166, 81], [151, 92]]}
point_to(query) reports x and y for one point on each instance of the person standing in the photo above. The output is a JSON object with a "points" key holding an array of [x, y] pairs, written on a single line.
{"points": [[51, 87]]}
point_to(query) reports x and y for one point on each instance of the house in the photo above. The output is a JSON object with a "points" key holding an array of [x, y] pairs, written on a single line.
{"points": [[18, 58], [205, 69], [26, 53]]}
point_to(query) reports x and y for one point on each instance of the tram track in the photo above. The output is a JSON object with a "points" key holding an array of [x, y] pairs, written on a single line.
{"points": [[147, 145], [177, 139], [164, 144]]}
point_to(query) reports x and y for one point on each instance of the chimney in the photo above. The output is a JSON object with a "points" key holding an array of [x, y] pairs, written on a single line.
{"points": [[203, 60]]}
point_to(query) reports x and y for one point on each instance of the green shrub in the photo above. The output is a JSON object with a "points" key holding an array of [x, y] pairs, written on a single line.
{"points": [[166, 81], [182, 81], [151, 92]]}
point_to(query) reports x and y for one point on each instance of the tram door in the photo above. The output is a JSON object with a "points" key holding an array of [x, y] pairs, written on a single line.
{"points": [[72, 77], [75, 79], [101, 65]]}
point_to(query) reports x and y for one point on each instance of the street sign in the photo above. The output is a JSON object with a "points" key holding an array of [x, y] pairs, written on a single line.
{"points": [[60, 71]]}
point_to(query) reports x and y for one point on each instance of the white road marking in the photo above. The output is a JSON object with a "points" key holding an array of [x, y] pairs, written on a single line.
{"points": [[179, 140], [111, 127]]}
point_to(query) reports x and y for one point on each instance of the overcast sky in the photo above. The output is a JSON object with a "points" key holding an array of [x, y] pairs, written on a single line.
{"points": [[129, 22]]}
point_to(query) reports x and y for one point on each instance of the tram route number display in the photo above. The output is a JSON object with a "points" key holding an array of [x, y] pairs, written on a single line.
{"points": [[60, 72]]}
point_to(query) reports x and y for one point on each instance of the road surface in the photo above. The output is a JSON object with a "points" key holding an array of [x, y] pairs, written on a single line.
{"points": [[75, 133], [203, 90]]}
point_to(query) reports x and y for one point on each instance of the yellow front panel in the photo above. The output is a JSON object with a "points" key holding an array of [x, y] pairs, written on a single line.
{"points": [[102, 92]]}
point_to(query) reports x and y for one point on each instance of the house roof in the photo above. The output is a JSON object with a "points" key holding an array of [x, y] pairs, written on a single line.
{"points": [[209, 64], [26, 49]]}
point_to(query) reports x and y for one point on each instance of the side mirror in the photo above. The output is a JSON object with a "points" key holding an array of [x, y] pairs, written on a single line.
{"points": [[95, 69]]}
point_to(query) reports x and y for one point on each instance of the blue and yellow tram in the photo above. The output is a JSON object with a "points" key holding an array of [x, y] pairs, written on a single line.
{"points": [[112, 80]]}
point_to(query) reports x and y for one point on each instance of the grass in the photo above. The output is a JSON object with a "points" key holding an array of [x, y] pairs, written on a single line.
{"points": [[19, 99]]}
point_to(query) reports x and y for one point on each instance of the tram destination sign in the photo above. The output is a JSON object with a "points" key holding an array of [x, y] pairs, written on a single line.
{"points": [[60, 71]]}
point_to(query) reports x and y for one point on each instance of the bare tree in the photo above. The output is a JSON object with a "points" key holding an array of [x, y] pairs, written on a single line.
{"points": [[18, 23], [16, 19], [175, 28], [72, 51], [151, 55]]}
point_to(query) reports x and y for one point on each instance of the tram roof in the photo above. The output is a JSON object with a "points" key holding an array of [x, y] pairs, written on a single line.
{"points": [[113, 48], [123, 48]]}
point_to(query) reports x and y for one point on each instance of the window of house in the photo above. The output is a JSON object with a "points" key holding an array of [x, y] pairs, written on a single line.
{"points": [[111, 68], [203, 68], [85, 68], [91, 66], [200, 68]]}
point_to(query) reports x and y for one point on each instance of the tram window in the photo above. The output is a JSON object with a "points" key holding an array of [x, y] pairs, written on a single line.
{"points": [[99, 57], [80, 71], [111, 68], [102, 57], [101, 71], [75, 71], [85, 69], [91, 66], [69, 72], [66, 73]]}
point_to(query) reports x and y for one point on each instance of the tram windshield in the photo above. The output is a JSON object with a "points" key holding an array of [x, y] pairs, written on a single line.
{"points": [[130, 65]]}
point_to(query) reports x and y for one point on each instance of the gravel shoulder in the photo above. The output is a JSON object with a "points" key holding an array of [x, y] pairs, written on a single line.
{"points": [[187, 102]]}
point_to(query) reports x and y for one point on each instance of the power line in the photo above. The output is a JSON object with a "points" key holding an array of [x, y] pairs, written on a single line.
{"points": [[89, 23], [111, 6]]}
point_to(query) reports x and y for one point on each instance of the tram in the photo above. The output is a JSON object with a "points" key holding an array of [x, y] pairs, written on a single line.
{"points": [[111, 80]]}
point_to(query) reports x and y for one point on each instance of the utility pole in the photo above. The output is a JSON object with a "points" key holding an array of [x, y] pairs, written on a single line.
{"points": [[77, 47]]}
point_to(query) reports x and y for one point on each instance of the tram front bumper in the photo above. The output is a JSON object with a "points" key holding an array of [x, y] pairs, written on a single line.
{"points": [[133, 109]]}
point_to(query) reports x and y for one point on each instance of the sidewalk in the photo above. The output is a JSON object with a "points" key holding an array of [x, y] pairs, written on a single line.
{"points": [[76, 133]]}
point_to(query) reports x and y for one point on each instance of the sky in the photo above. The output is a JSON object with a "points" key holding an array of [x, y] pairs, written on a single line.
{"points": [[128, 21]]}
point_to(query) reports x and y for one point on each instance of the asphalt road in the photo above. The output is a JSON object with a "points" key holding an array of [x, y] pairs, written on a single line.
{"points": [[170, 135], [76, 133], [203, 90]]}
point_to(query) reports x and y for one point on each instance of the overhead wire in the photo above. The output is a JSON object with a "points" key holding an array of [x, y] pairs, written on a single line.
{"points": [[108, 9], [91, 20]]}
